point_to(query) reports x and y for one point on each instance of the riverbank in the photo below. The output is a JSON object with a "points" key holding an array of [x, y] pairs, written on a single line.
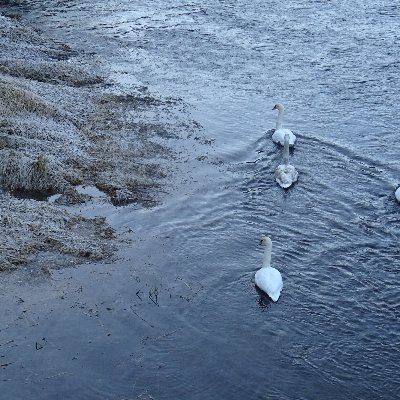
{"points": [[63, 126]]}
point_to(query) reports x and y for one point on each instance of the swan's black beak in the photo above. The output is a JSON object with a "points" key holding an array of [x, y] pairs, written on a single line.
{"points": [[274, 108], [260, 242]]}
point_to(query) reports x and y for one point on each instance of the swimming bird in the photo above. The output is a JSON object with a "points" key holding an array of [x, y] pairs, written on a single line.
{"points": [[268, 279], [279, 134], [397, 194], [286, 174]]}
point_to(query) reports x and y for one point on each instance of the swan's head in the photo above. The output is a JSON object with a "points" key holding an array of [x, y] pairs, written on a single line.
{"points": [[278, 106], [265, 240]]}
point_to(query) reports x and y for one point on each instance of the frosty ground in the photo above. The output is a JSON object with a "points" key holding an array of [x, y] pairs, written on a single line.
{"points": [[63, 125]]}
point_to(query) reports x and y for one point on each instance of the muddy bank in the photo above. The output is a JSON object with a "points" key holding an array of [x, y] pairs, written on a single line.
{"points": [[63, 124]]}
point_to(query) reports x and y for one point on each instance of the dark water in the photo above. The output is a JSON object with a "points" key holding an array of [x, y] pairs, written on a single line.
{"points": [[177, 315]]}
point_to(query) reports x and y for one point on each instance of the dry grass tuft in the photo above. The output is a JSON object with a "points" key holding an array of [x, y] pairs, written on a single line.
{"points": [[21, 173]]}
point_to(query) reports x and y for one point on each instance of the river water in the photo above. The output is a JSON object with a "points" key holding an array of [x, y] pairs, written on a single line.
{"points": [[176, 315]]}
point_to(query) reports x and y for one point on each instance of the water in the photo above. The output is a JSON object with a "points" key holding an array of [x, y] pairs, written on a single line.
{"points": [[176, 314]]}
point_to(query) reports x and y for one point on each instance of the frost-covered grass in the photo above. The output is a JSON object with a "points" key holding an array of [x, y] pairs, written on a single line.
{"points": [[60, 126], [53, 71], [33, 226], [35, 139], [18, 172], [17, 99]]}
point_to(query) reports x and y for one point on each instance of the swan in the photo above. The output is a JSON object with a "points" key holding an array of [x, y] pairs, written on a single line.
{"points": [[279, 134], [268, 279], [397, 194], [286, 174]]}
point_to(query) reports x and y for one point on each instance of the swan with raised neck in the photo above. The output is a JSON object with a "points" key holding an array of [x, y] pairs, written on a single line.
{"points": [[286, 174], [285, 155], [267, 278], [279, 134], [267, 243], [280, 108]]}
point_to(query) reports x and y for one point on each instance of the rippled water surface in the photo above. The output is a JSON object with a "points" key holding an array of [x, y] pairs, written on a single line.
{"points": [[178, 316]]}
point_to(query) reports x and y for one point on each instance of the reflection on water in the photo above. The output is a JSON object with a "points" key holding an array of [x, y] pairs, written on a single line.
{"points": [[177, 314]]}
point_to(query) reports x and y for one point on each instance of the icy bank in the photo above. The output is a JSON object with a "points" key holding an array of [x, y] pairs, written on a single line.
{"points": [[62, 125]]}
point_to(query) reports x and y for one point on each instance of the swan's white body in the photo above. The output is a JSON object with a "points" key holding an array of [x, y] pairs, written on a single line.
{"points": [[279, 134], [286, 174], [397, 194], [269, 279]]}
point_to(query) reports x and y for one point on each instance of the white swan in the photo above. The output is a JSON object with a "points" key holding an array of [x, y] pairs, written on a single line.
{"points": [[286, 174], [279, 134], [397, 194], [268, 279]]}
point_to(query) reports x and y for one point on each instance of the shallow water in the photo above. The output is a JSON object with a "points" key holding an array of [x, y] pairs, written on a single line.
{"points": [[177, 315]]}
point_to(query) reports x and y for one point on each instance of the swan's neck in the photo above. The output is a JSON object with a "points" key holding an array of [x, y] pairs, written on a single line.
{"points": [[279, 120], [267, 255], [286, 150]]}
